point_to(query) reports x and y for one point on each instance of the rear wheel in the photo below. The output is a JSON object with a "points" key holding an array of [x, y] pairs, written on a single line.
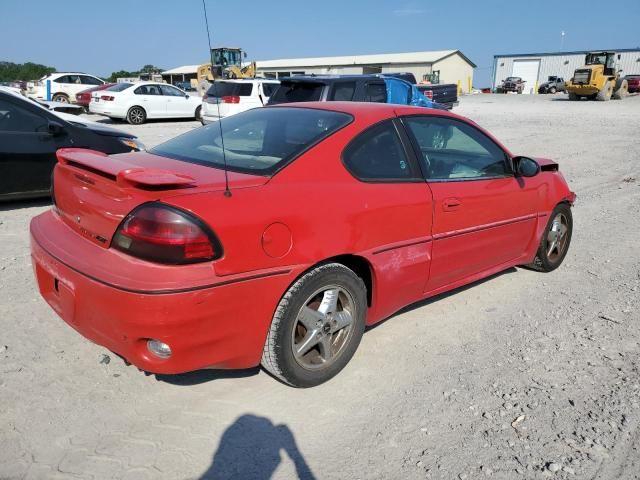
{"points": [[198, 114], [60, 97], [317, 326], [604, 95], [136, 116], [621, 90], [555, 239], [552, 90]]}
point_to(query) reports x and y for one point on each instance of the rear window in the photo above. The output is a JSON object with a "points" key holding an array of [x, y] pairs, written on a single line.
{"points": [[259, 141], [230, 89], [297, 92], [119, 87]]}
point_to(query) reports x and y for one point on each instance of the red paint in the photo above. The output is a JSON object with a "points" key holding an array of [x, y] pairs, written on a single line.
{"points": [[419, 239], [84, 97]]}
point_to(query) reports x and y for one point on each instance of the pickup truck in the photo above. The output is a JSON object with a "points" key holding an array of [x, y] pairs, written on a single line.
{"points": [[445, 94], [349, 88], [512, 84], [552, 85]]}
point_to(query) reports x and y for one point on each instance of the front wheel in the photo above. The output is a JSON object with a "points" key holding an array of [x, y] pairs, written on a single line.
{"points": [[621, 90], [60, 97], [552, 90], [136, 116], [555, 240], [198, 114], [573, 96], [317, 326]]}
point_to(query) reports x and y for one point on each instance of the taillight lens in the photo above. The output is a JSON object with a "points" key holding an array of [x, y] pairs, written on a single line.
{"points": [[165, 234], [107, 98], [205, 96], [230, 99], [428, 94]]}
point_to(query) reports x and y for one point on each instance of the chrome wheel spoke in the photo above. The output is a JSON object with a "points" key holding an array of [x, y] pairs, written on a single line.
{"points": [[341, 320], [326, 348], [552, 247], [329, 302], [309, 341], [310, 318]]}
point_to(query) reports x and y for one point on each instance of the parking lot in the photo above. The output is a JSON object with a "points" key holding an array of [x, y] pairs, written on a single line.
{"points": [[523, 375]]}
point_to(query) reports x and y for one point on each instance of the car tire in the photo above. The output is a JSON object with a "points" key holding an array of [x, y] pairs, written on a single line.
{"points": [[317, 326], [136, 115], [60, 97], [555, 240], [552, 90], [621, 90], [198, 114], [573, 96], [604, 95]]}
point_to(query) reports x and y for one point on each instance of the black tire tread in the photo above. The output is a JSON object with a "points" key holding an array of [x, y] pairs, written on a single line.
{"points": [[538, 263]]}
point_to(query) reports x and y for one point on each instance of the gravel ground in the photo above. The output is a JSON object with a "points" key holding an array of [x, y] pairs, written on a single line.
{"points": [[523, 375]]}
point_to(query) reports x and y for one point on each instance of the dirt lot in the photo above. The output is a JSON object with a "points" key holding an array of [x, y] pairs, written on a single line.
{"points": [[524, 375]]}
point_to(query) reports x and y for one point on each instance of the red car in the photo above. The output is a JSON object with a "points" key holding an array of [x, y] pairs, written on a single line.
{"points": [[335, 216], [84, 97], [634, 83]]}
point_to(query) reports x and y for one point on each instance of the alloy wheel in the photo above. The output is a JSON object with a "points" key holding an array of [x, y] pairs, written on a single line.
{"points": [[323, 327], [557, 237]]}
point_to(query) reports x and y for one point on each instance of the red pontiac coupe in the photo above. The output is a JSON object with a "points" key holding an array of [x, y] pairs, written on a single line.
{"points": [[335, 215]]}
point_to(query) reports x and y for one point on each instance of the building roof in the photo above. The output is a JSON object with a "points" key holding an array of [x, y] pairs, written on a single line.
{"points": [[185, 69], [377, 59], [575, 52]]}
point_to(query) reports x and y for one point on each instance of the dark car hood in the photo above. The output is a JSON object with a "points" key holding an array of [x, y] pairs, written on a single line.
{"points": [[95, 127]]}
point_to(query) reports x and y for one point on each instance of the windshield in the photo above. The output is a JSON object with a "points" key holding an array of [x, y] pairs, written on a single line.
{"points": [[297, 92], [259, 141], [119, 87]]}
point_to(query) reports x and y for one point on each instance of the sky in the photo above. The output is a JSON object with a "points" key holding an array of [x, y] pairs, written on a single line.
{"points": [[100, 37]]}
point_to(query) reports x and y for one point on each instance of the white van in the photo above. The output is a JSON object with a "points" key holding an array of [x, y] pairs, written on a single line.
{"points": [[228, 97]]}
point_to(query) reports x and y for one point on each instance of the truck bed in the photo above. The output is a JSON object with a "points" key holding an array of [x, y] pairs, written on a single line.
{"points": [[445, 94]]}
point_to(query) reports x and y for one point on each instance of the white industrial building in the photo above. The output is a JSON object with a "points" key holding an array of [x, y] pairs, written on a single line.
{"points": [[453, 66], [535, 68]]}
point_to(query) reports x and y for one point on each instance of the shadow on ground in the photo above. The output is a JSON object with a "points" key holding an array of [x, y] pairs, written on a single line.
{"points": [[203, 376], [18, 204], [250, 449]]}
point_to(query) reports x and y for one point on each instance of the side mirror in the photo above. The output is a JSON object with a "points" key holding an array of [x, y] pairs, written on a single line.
{"points": [[526, 167], [186, 95], [55, 129]]}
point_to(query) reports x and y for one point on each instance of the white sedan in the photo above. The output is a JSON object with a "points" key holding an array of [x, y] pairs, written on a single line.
{"points": [[137, 102]]}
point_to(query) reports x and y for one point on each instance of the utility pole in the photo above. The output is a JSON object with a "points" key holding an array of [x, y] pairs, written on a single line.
{"points": [[562, 34]]}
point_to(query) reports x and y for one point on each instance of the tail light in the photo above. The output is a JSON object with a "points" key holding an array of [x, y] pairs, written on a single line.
{"points": [[428, 94], [164, 234], [107, 98], [205, 96], [230, 99]]}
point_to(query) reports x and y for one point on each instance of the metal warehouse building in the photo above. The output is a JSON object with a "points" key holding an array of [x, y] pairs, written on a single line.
{"points": [[452, 65], [536, 67]]}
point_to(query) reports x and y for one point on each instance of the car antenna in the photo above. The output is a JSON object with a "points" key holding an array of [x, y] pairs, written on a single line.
{"points": [[227, 192]]}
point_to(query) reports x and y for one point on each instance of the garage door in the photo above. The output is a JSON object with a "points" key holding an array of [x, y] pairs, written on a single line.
{"points": [[528, 71]]}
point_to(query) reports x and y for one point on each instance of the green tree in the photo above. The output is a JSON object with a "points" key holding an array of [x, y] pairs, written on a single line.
{"points": [[10, 71]]}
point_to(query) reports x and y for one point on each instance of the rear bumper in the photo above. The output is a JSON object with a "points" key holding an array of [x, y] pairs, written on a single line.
{"points": [[108, 109], [222, 325]]}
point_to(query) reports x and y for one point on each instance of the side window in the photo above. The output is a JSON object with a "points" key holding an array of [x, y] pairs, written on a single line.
{"points": [[62, 79], [245, 89], [75, 79], [269, 88], [454, 150], [86, 80], [377, 154], [147, 90], [376, 92], [343, 91], [169, 91], [17, 119]]}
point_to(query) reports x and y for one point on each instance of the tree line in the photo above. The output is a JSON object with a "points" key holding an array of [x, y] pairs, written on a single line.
{"points": [[10, 71]]}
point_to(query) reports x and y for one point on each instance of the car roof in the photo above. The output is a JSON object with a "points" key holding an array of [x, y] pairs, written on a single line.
{"points": [[360, 108]]}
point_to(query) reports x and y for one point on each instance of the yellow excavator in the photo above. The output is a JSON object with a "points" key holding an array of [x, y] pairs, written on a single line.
{"points": [[225, 63], [599, 79]]}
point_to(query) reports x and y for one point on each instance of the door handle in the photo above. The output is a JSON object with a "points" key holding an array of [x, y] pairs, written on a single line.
{"points": [[451, 204]]}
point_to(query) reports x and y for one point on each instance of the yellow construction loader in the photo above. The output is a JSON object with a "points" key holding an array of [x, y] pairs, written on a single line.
{"points": [[225, 63], [599, 79]]}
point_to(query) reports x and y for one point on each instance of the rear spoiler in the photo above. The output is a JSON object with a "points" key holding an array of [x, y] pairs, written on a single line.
{"points": [[123, 173]]}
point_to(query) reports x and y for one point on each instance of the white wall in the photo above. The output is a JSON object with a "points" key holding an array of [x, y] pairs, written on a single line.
{"points": [[455, 68]]}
